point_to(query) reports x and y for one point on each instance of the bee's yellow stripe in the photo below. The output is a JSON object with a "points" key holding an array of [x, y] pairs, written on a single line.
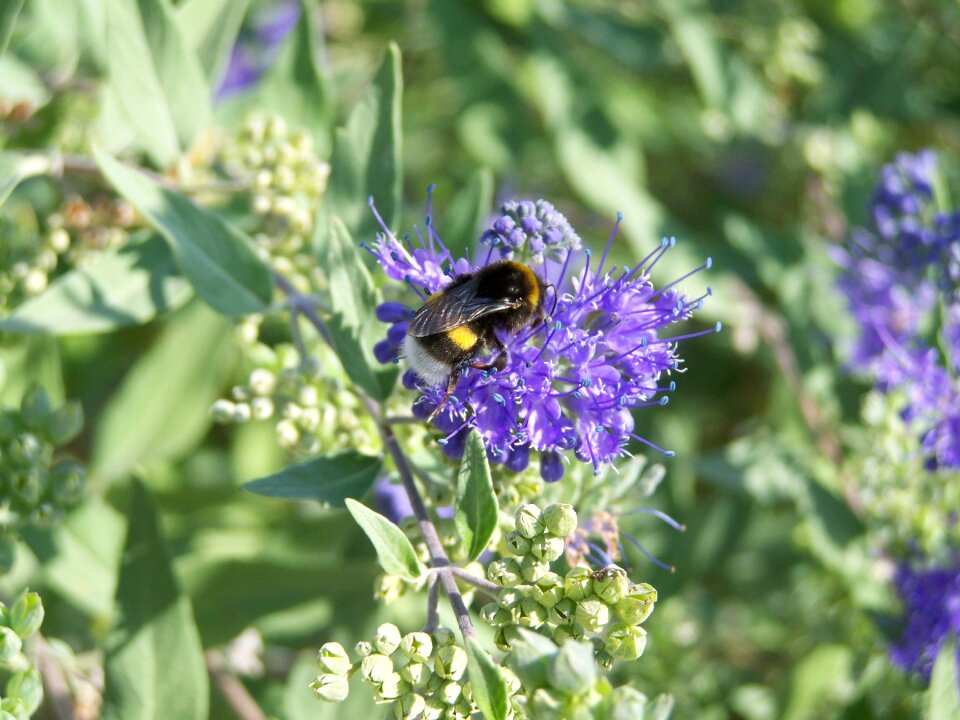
{"points": [[463, 337], [534, 285]]}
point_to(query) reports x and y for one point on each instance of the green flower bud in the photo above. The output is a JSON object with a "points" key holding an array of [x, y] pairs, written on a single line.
{"points": [[450, 693], [391, 687], [637, 606], [547, 547], [387, 638], [389, 588], [529, 521], [604, 659], [434, 709], [333, 658], [65, 424], [451, 662], [548, 704], [532, 569], [532, 614], [504, 572], [67, 479], [488, 614], [510, 678], [562, 633], [592, 614], [26, 449], [416, 673], [625, 642], [627, 703], [375, 667], [501, 640], [611, 584], [223, 411], [331, 688], [35, 407], [27, 687], [547, 597], [578, 584], [26, 615], [10, 645], [517, 543], [563, 612], [443, 636], [560, 519], [409, 707], [417, 646], [363, 648]]}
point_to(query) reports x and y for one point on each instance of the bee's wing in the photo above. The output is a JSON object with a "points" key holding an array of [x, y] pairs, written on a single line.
{"points": [[453, 307]]}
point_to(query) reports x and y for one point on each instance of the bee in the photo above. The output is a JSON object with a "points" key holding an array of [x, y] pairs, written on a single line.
{"points": [[457, 325]]}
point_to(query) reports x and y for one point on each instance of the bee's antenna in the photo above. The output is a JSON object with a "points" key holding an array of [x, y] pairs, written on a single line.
{"points": [[556, 295]]}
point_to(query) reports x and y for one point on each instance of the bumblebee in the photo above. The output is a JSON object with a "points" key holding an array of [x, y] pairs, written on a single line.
{"points": [[457, 325]]}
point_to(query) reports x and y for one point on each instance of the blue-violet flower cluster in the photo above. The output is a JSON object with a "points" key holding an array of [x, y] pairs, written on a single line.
{"points": [[931, 600], [571, 383], [901, 277]]}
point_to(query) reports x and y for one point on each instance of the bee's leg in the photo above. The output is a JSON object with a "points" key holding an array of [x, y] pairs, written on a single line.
{"points": [[500, 362], [451, 386]]}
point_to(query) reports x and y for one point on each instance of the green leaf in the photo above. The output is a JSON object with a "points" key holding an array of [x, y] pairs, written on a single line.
{"points": [[330, 479], [79, 556], [394, 550], [125, 286], [154, 661], [820, 682], [32, 360], [294, 86], [8, 18], [367, 154], [156, 77], [211, 28], [353, 326], [489, 688], [162, 409], [15, 168], [943, 698], [219, 260], [574, 669], [475, 509], [463, 221]]}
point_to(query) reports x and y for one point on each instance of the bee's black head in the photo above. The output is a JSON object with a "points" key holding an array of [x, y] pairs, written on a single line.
{"points": [[520, 285]]}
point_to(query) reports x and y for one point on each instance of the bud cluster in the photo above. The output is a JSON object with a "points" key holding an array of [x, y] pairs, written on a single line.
{"points": [[910, 505], [423, 675], [26, 262], [313, 412], [602, 605], [84, 227], [24, 690], [287, 178], [33, 487], [563, 682]]}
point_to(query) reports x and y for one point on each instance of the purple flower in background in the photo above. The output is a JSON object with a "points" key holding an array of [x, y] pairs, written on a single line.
{"points": [[391, 499], [256, 49], [571, 382], [931, 600], [898, 276]]}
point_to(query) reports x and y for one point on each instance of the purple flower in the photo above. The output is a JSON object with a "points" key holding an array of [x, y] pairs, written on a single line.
{"points": [[931, 600], [255, 51], [898, 276], [392, 500], [571, 383]]}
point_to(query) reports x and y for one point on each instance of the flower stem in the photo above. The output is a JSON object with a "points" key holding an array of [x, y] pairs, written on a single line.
{"points": [[439, 561]]}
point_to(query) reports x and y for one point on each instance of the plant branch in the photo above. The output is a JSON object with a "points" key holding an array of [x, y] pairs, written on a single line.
{"points": [[433, 600], [491, 589], [232, 689], [61, 165], [428, 531]]}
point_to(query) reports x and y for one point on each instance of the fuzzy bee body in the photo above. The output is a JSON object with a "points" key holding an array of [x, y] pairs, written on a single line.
{"points": [[457, 325]]}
